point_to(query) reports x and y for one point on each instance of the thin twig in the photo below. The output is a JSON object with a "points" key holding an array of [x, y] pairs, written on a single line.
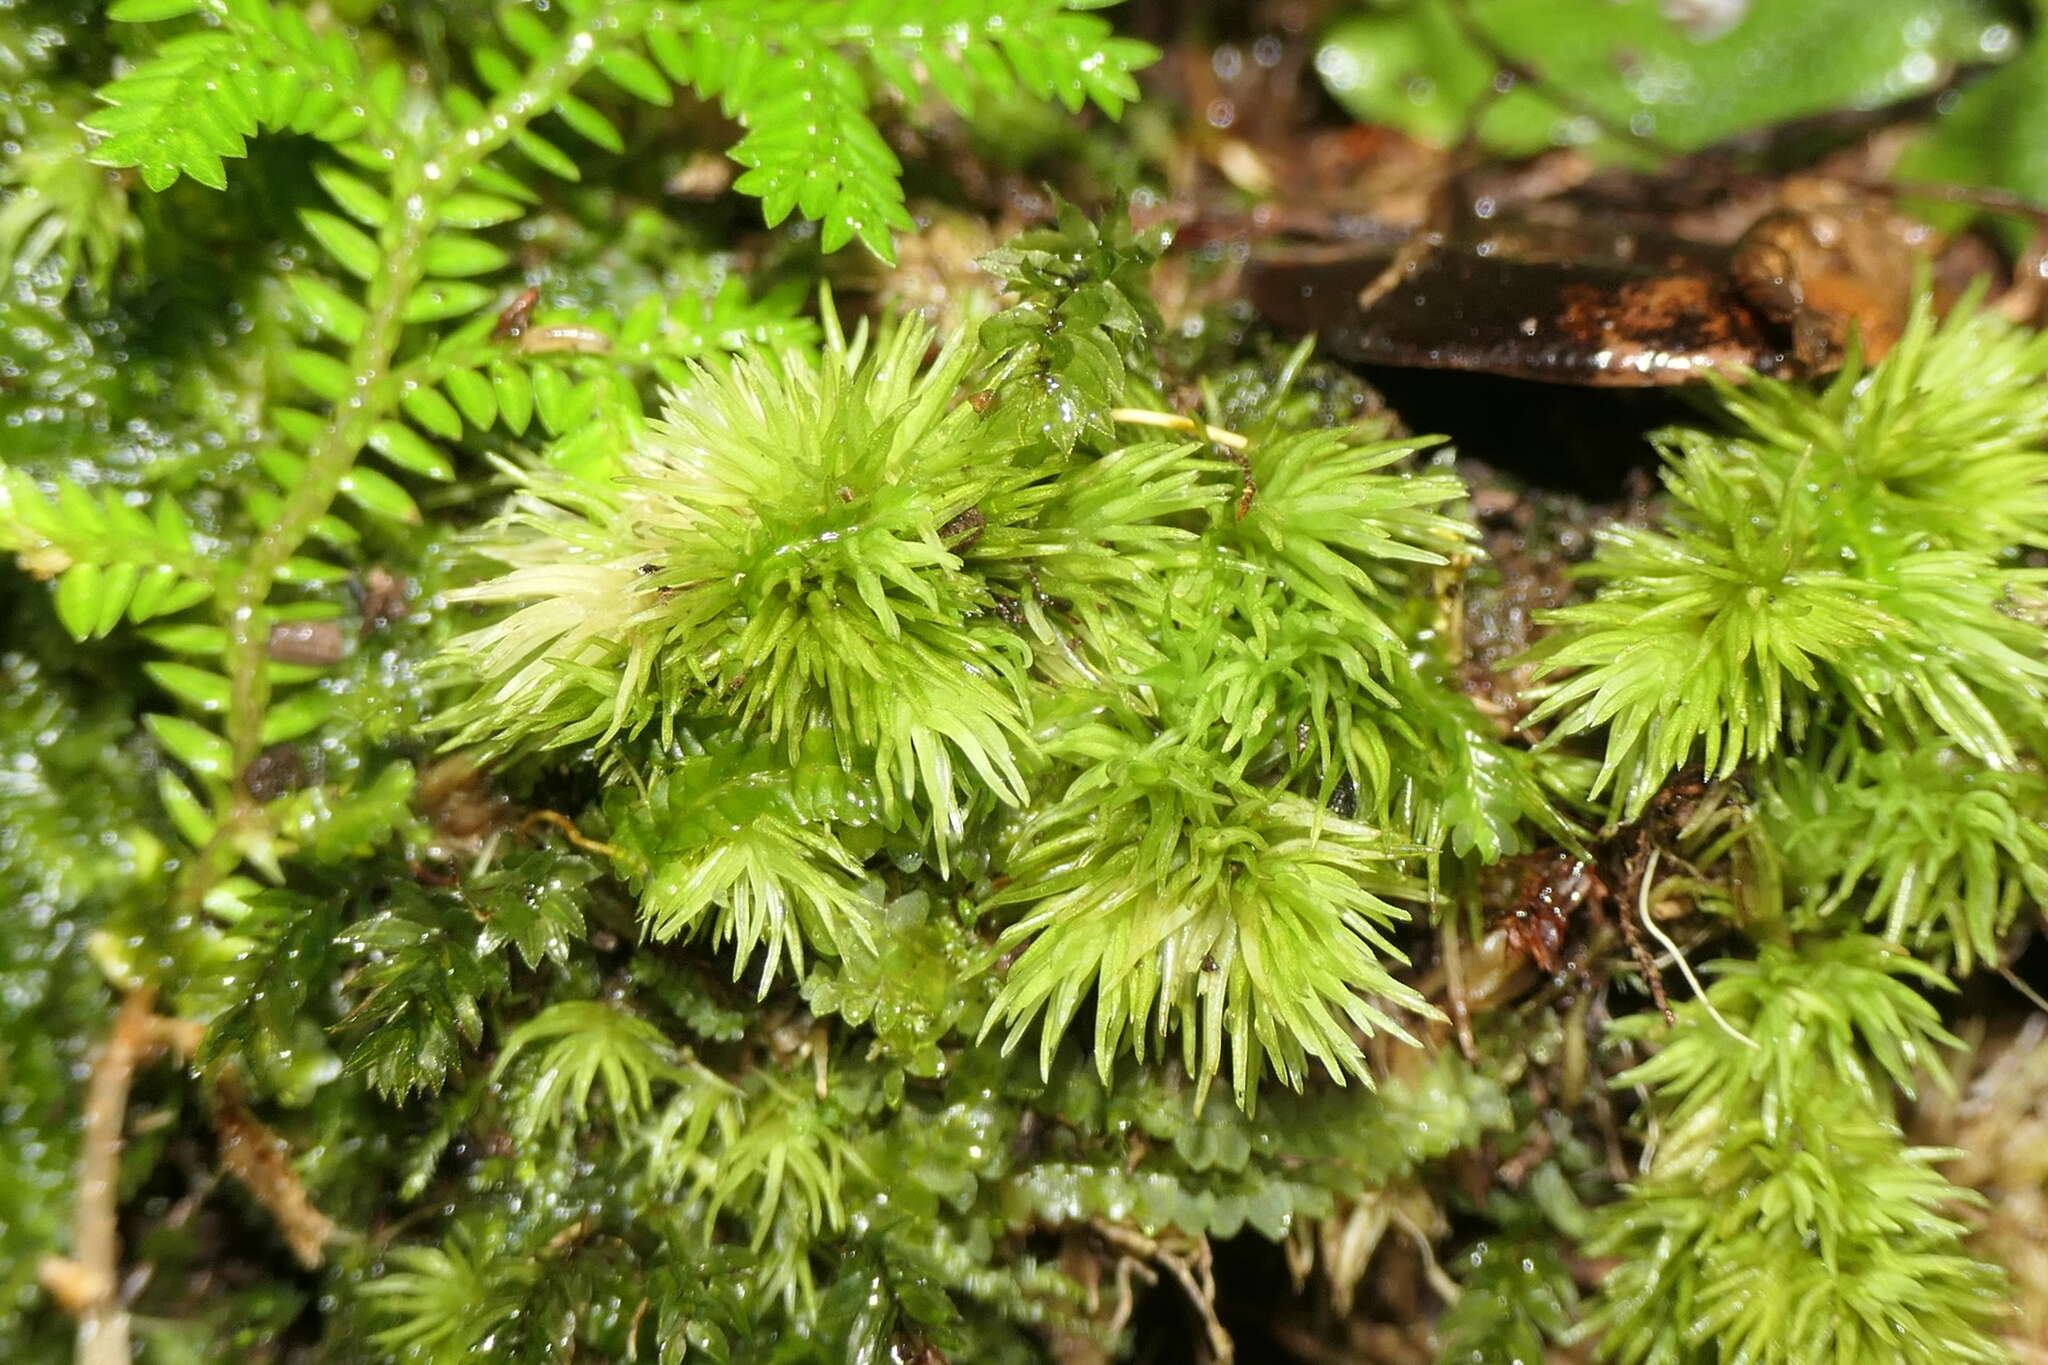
{"points": [[570, 832], [1699, 992], [1454, 989], [2012, 979], [91, 1278], [1173, 421]]}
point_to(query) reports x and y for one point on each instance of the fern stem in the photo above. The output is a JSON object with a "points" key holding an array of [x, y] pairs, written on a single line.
{"points": [[418, 193]]}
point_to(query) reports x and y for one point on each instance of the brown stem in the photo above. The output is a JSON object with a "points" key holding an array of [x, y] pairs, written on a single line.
{"points": [[92, 1275], [417, 192]]}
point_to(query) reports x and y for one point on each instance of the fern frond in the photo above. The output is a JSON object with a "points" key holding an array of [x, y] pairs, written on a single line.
{"points": [[787, 71], [112, 561], [197, 99]]}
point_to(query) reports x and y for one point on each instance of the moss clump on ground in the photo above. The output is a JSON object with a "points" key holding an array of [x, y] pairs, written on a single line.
{"points": [[584, 782]]}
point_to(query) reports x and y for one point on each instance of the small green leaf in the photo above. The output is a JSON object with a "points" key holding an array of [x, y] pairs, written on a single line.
{"points": [[351, 248], [79, 594], [324, 374], [117, 590], [407, 449], [453, 254], [474, 395], [546, 155], [527, 32], [428, 408], [190, 638], [439, 300], [673, 54], [635, 75], [355, 197], [299, 714], [306, 569], [473, 209], [497, 71], [198, 687], [551, 389], [195, 746], [380, 494], [515, 394], [332, 311], [194, 823], [591, 125]]}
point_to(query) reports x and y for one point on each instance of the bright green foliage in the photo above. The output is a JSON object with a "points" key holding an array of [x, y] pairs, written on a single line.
{"points": [[583, 1044], [810, 146], [1936, 848], [1189, 899], [534, 903], [111, 562], [419, 986], [1843, 553], [726, 834], [1784, 1216], [1995, 134], [58, 211], [1084, 318], [1516, 1294], [852, 611], [918, 980], [775, 554], [902, 770]]}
